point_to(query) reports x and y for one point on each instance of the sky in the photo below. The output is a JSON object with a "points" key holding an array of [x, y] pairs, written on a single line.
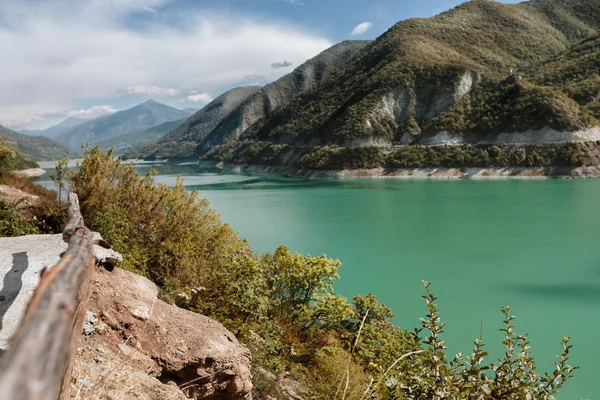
{"points": [[85, 58]]}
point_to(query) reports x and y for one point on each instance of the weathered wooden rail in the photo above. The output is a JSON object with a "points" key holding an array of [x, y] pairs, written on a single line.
{"points": [[38, 364]]}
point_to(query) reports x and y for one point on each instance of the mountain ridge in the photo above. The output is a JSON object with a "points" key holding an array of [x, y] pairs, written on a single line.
{"points": [[255, 106], [37, 148], [142, 116]]}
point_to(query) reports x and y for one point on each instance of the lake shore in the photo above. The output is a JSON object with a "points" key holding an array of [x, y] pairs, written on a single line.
{"points": [[416, 173]]}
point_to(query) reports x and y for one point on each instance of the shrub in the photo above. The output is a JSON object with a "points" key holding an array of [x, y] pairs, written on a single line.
{"points": [[167, 234], [11, 222]]}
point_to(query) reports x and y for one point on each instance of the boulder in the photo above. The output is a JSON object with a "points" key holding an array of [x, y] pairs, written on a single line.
{"points": [[155, 350]]}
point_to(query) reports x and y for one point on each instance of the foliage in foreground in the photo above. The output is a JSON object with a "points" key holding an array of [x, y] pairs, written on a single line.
{"points": [[283, 306], [11, 160], [16, 217]]}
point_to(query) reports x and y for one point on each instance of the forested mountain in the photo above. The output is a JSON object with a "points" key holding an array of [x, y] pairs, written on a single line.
{"points": [[471, 75], [37, 148]]}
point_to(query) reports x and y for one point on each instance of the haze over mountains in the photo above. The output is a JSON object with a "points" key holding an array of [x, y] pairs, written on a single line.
{"points": [[57, 130], [123, 130]]}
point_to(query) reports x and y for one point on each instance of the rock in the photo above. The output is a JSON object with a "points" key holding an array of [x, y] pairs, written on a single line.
{"points": [[125, 349], [108, 258], [89, 323], [102, 328], [29, 173], [165, 351], [109, 320]]}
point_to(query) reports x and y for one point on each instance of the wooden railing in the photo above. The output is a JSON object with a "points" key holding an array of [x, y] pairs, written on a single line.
{"points": [[38, 364]]}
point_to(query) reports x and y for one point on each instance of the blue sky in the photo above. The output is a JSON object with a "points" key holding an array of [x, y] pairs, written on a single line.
{"points": [[83, 58]]}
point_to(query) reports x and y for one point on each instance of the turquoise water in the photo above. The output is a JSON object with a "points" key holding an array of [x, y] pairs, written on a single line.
{"points": [[529, 244]]}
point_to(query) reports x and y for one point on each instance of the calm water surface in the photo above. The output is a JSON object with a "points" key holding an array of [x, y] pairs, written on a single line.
{"points": [[529, 244]]}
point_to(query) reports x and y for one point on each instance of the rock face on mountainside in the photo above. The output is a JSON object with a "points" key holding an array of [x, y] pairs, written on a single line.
{"points": [[135, 119], [182, 141], [138, 347]]}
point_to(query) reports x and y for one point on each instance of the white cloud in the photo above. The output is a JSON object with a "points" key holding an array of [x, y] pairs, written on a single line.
{"points": [[151, 91], [197, 98], [91, 112], [361, 29], [69, 52]]}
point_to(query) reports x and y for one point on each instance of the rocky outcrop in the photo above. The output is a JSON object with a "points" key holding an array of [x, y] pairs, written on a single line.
{"points": [[531, 137], [144, 348]]}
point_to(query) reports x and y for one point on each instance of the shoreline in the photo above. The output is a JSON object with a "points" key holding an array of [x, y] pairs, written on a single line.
{"points": [[29, 172], [433, 173]]}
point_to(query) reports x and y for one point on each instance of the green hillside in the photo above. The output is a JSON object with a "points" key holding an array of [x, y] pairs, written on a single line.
{"points": [[36, 148], [423, 60], [262, 104], [473, 72]]}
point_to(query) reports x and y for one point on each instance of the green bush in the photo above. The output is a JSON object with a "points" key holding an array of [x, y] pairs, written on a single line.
{"points": [[12, 223], [338, 158], [167, 234]]}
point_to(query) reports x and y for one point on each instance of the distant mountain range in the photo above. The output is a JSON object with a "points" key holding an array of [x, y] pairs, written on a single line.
{"points": [[182, 141], [125, 130], [36, 148], [55, 131], [110, 127]]}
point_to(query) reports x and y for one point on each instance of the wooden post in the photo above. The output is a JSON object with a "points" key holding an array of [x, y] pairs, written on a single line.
{"points": [[38, 364]]}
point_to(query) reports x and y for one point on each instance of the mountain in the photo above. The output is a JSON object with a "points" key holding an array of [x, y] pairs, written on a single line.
{"points": [[55, 131], [37, 148], [181, 142], [255, 105], [279, 93], [135, 119], [468, 75], [576, 72], [191, 111], [136, 140]]}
